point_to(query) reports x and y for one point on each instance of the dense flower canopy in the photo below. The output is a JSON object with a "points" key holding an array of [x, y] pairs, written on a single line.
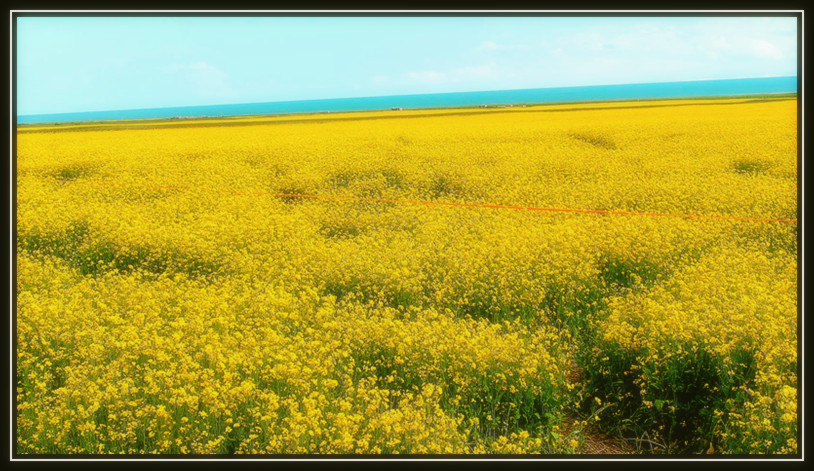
{"points": [[167, 302]]}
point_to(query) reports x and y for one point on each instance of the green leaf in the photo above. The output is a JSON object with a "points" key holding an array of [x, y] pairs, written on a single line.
{"points": [[659, 404]]}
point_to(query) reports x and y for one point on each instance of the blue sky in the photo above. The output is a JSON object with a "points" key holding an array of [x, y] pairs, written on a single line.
{"points": [[91, 64]]}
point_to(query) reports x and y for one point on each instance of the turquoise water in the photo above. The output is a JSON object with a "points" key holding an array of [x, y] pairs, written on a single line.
{"points": [[534, 95]]}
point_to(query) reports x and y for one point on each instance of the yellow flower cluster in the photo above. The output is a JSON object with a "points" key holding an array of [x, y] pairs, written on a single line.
{"points": [[140, 364], [737, 304], [170, 300]]}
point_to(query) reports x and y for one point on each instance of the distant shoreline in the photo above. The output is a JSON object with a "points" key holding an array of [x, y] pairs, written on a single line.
{"points": [[769, 86], [193, 118]]}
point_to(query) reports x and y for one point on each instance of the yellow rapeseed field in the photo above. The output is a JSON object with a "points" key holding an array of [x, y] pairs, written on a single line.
{"points": [[170, 298]]}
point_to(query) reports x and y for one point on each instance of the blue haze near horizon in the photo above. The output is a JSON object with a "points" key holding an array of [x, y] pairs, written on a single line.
{"points": [[432, 100]]}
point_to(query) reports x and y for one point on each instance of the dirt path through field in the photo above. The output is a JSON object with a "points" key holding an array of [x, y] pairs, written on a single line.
{"points": [[595, 441]]}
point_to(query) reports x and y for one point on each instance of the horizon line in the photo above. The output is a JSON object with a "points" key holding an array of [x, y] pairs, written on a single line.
{"points": [[394, 96]]}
